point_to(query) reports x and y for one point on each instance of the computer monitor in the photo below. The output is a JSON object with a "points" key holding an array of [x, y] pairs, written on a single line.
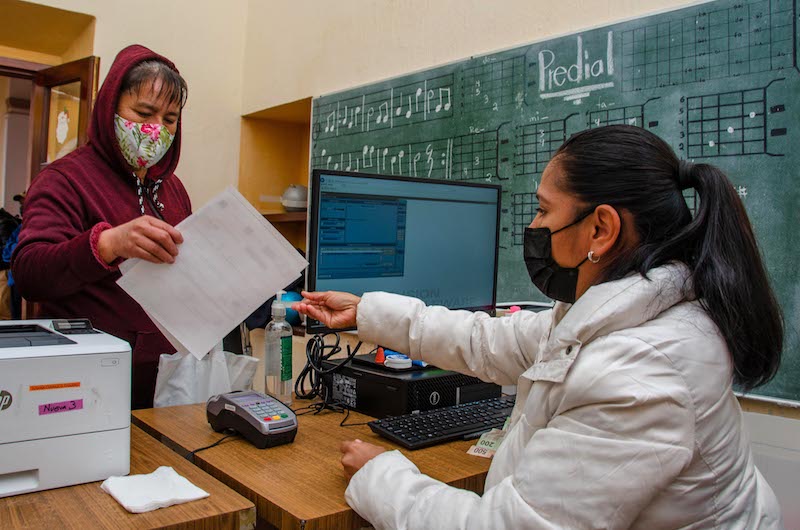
{"points": [[436, 240]]}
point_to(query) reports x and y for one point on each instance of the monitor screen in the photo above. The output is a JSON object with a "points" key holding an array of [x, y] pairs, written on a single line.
{"points": [[431, 239]]}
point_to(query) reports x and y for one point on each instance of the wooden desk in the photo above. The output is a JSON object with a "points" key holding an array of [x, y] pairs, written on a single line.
{"points": [[300, 485], [87, 506]]}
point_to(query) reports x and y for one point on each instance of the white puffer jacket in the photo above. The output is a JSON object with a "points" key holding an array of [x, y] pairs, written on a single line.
{"points": [[625, 416]]}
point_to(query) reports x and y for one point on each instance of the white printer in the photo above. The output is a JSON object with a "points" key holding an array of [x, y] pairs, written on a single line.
{"points": [[65, 404]]}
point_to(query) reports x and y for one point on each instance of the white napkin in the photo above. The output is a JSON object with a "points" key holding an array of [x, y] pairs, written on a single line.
{"points": [[143, 493]]}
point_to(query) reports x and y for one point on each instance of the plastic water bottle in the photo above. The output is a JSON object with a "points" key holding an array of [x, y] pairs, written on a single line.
{"points": [[278, 353]]}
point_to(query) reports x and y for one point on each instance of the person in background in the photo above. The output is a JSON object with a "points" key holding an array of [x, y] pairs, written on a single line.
{"points": [[115, 198], [625, 414]]}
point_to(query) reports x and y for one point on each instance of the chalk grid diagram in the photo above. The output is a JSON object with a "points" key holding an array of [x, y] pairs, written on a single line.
{"points": [[463, 157], [536, 143], [390, 108], [730, 124], [490, 85], [746, 38], [475, 156], [628, 115], [524, 205], [523, 210]]}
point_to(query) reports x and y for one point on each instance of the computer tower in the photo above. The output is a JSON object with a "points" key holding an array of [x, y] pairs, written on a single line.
{"points": [[379, 392]]}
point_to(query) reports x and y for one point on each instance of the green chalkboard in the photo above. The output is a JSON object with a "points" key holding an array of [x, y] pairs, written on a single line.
{"points": [[719, 81]]}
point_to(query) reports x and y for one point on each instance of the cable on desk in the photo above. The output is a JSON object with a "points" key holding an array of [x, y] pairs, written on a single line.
{"points": [[347, 415], [316, 408], [192, 453], [316, 352]]}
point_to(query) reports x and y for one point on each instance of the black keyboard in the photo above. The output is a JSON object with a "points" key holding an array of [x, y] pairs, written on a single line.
{"points": [[431, 427]]}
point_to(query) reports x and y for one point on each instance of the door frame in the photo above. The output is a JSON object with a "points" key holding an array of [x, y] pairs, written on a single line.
{"points": [[86, 71], [17, 68]]}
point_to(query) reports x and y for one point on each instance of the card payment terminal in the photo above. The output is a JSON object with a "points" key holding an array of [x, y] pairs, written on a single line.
{"points": [[262, 420]]}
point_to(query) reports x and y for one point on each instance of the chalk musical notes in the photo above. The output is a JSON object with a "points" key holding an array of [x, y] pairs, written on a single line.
{"points": [[330, 127], [416, 159], [446, 106], [327, 160], [383, 113], [340, 115], [429, 161], [370, 112], [399, 110], [368, 149], [397, 106], [473, 156]]}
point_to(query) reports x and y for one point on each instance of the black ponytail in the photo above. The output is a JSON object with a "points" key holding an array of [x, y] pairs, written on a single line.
{"points": [[632, 169]]}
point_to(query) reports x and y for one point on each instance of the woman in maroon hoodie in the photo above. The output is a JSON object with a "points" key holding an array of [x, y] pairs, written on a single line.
{"points": [[115, 198]]}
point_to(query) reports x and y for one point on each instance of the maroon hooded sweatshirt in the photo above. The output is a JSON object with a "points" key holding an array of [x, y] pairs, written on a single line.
{"points": [[67, 207]]}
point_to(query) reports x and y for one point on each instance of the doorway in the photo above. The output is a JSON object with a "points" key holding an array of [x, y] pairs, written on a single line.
{"points": [[39, 125], [15, 102], [16, 91], [35, 131]]}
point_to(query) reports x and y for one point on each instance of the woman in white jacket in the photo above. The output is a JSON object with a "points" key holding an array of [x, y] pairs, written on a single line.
{"points": [[625, 415]]}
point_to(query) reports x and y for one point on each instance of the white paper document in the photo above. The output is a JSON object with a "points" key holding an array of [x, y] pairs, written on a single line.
{"points": [[231, 261]]}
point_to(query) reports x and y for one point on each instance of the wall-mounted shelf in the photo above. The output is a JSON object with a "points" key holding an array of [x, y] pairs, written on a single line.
{"points": [[274, 154], [285, 217]]}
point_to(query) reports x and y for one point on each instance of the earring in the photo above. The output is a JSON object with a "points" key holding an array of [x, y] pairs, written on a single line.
{"points": [[591, 257]]}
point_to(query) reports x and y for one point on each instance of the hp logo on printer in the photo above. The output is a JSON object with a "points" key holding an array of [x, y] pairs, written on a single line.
{"points": [[434, 398], [5, 400]]}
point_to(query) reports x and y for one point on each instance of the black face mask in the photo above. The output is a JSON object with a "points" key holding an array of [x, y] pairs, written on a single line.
{"points": [[557, 282]]}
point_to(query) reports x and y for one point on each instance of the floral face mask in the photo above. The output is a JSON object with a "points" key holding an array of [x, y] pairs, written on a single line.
{"points": [[142, 144]]}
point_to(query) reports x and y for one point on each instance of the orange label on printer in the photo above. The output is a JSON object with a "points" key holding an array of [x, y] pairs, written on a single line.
{"points": [[55, 386]]}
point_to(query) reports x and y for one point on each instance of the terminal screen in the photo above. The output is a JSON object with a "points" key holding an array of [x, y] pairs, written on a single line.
{"points": [[430, 239]]}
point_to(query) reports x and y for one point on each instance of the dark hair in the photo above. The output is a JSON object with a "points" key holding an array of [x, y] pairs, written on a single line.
{"points": [[173, 86], [632, 169]]}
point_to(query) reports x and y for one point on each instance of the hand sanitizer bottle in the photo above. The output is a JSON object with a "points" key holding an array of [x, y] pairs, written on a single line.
{"points": [[278, 353]]}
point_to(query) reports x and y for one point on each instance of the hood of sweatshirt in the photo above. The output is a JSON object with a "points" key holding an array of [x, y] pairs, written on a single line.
{"points": [[101, 128]]}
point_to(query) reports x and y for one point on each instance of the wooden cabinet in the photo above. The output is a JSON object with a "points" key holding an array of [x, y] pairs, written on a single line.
{"points": [[274, 154]]}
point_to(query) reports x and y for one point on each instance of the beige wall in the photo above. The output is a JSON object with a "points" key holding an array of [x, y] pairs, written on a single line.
{"points": [[82, 46], [307, 48], [206, 41], [29, 55]]}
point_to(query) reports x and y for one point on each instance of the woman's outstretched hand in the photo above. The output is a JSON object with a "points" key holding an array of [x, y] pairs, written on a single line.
{"points": [[334, 309]]}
